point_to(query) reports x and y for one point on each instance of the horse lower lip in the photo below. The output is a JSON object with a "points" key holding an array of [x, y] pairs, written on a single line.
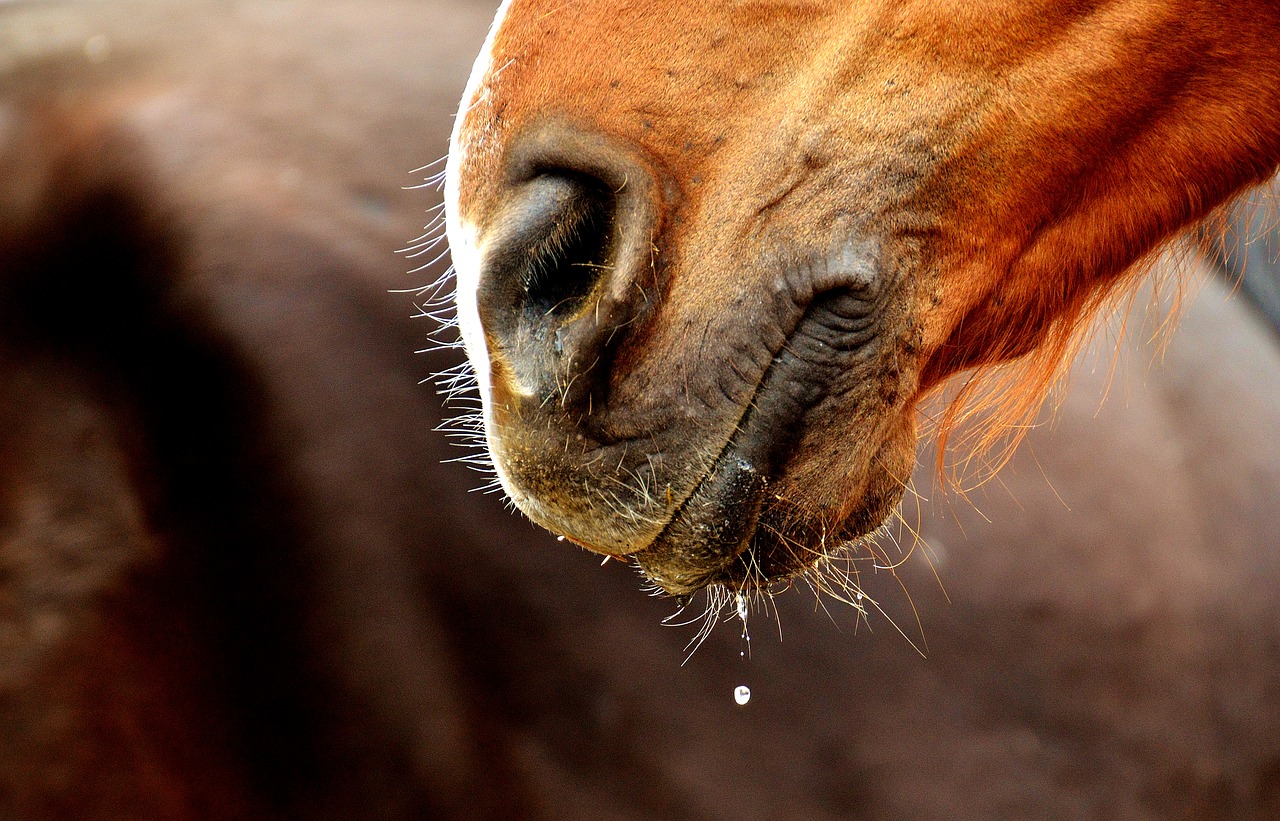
{"points": [[713, 527]]}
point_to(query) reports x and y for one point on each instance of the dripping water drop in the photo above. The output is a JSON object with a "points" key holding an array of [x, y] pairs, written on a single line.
{"points": [[742, 607], [742, 694], [559, 538]]}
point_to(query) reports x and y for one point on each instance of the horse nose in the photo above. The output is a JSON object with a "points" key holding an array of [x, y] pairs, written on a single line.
{"points": [[569, 265]]}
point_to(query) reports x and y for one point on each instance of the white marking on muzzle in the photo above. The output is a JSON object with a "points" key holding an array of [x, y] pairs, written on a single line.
{"points": [[464, 236]]}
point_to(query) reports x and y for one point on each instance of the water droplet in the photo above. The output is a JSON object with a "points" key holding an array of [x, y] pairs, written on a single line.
{"points": [[742, 694], [559, 538], [742, 607]]}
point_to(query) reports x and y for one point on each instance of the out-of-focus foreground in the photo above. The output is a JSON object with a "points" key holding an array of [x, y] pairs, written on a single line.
{"points": [[236, 580]]}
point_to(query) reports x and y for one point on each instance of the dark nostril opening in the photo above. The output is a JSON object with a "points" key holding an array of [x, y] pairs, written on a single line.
{"points": [[571, 225], [568, 265], [555, 246]]}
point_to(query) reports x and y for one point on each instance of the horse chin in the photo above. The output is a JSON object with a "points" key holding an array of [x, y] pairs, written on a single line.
{"points": [[748, 524], [745, 529]]}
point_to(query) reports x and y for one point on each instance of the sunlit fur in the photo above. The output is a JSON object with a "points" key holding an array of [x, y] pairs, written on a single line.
{"points": [[1005, 165]]}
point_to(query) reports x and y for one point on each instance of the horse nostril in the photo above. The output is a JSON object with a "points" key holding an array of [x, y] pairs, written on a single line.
{"points": [[568, 265], [542, 288], [567, 226]]}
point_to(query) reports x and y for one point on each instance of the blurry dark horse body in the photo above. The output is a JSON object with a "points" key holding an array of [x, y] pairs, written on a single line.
{"points": [[236, 581]]}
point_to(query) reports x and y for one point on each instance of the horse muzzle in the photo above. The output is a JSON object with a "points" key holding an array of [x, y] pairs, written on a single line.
{"points": [[608, 427]]}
